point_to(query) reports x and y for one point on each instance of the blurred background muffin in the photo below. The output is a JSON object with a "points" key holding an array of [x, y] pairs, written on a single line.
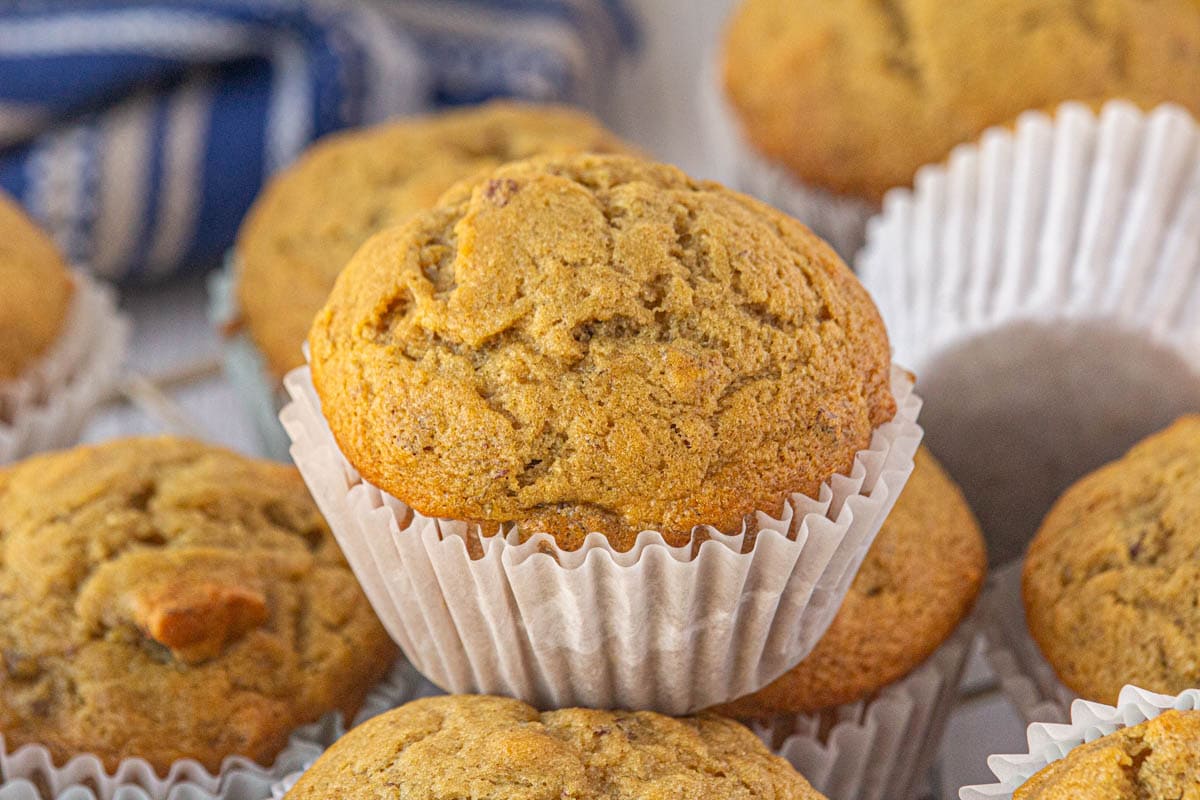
{"points": [[493, 748], [1112, 579], [851, 98], [164, 599]]}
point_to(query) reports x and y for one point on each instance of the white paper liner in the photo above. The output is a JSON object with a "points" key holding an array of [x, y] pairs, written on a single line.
{"points": [[30, 774], [840, 220], [881, 748], [1089, 721], [245, 368], [46, 407], [1024, 674], [1045, 286], [657, 627]]}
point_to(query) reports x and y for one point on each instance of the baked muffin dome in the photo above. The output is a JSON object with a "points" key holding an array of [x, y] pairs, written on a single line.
{"points": [[1156, 760], [37, 291], [917, 583], [1112, 579], [854, 97], [600, 343], [313, 216], [165, 599], [492, 748]]}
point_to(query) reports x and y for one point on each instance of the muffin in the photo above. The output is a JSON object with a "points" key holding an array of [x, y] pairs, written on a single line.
{"points": [[1155, 760], [312, 217], [490, 747], [853, 98], [164, 599], [918, 582], [37, 296], [1111, 582], [600, 344]]}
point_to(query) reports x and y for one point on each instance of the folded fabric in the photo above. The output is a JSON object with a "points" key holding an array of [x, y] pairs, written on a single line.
{"points": [[138, 133]]}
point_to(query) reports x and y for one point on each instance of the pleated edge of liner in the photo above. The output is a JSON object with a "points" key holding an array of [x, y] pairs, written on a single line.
{"points": [[907, 438], [188, 779], [1050, 742]]}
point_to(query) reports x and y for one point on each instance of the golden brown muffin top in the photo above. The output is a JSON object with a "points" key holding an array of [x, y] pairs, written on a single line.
{"points": [[166, 599], [493, 748], [600, 343], [1112, 579], [855, 96], [37, 291], [1156, 760], [313, 216], [918, 581]]}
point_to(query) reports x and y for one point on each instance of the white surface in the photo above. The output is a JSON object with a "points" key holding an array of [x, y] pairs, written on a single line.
{"points": [[655, 107]]}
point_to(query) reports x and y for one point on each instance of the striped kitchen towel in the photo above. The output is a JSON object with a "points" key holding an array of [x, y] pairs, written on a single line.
{"points": [[138, 132]]}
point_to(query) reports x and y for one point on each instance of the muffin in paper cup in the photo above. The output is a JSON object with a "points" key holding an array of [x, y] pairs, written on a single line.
{"points": [[1045, 285], [1089, 721], [1024, 674], [838, 219], [260, 394], [596, 627], [31, 774], [881, 748], [48, 404]]}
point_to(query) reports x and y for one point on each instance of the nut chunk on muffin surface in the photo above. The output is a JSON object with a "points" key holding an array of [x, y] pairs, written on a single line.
{"points": [[163, 599], [599, 343], [492, 748]]}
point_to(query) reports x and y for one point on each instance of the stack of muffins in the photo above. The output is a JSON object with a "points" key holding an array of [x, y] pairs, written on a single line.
{"points": [[617, 458]]}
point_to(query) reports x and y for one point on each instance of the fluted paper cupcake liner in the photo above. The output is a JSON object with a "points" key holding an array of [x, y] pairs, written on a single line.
{"points": [[1089, 721], [1045, 285], [46, 407], [658, 627], [1024, 674], [881, 748], [30, 773], [245, 368], [839, 220]]}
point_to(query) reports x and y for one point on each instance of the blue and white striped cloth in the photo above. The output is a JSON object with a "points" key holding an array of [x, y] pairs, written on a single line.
{"points": [[139, 132]]}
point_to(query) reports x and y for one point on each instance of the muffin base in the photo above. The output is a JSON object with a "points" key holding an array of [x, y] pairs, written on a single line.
{"points": [[881, 748], [839, 220], [1045, 285], [245, 368], [595, 627], [1089, 721], [31, 774], [47, 407]]}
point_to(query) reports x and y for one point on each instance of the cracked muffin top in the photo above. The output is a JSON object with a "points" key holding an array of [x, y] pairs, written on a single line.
{"points": [[855, 96], [917, 583], [313, 216], [493, 748], [37, 291], [165, 599], [600, 343], [1112, 579], [1156, 760]]}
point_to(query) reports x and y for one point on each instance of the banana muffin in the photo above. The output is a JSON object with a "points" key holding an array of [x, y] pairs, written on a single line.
{"points": [[37, 291], [1111, 582], [917, 583], [313, 216], [1156, 760], [854, 97], [164, 599], [600, 343], [493, 748]]}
